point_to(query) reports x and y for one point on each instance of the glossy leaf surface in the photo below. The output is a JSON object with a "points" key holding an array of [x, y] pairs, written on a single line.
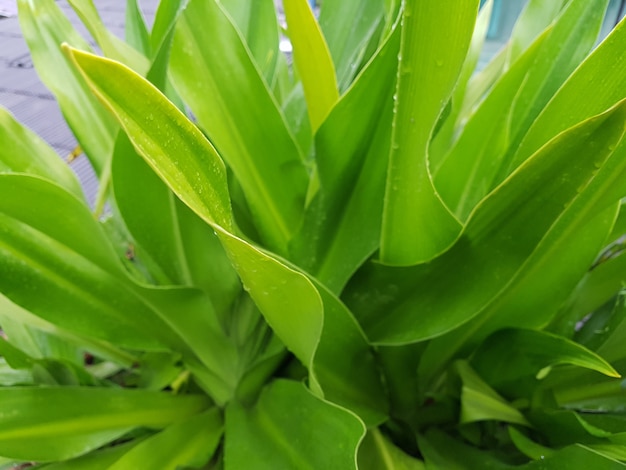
{"points": [[59, 423], [44, 28], [280, 431], [507, 246], [236, 109], [417, 225]]}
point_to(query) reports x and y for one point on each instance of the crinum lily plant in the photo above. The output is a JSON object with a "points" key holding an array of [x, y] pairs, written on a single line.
{"points": [[368, 254]]}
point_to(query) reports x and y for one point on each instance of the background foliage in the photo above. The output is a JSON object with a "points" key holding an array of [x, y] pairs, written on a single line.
{"points": [[365, 255]]}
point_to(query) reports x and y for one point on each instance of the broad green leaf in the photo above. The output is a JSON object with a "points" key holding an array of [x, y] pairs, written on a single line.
{"points": [[312, 60], [442, 452], [350, 151], [613, 451], [604, 65], [444, 137], [464, 175], [43, 344], [535, 295], [111, 45], [376, 452], [258, 23], [215, 74], [62, 272], [601, 326], [22, 151], [44, 28], [495, 244], [345, 365], [195, 331], [560, 427], [199, 180], [26, 330], [604, 403], [137, 34], [527, 446], [282, 431], [612, 348], [96, 459], [534, 19], [164, 18], [15, 357], [572, 37], [187, 443], [529, 84], [10, 377], [596, 288], [161, 43], [45, 264], [150, 211], [62, 422], [347, 40], [480, 83], [479, 402], [513, 354], [576, 457], [417, 226]]}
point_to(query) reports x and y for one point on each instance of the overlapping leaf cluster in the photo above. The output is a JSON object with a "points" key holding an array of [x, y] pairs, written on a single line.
{"points": [[364, 255]]}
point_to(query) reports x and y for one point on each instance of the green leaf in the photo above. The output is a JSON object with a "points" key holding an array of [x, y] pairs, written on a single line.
{"points": [[345, 365], [282, 431], [417, 226], [164, 18], [22, 151], [442, 452], [63, 422], [39, 338], [215, 74], [479, 402], [534, 296], [137, 34], [527, 446], [10, 377], [347, 41], [445, 136], [572, 37], [151, 212], [595, 289], [576, 457], [61, 271], [534, 19], [199, 180], [44, 28], [188, 443], [464, 174], [496, 242], [560, 427], [312, 60], [110, 44], [350, 150], [379, 453], [96, 459], [604, 65], [15, 357], [258, 23], [510, 355]]}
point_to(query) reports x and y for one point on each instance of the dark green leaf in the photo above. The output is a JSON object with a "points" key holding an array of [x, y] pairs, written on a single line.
{"points": [[282, 431]]}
